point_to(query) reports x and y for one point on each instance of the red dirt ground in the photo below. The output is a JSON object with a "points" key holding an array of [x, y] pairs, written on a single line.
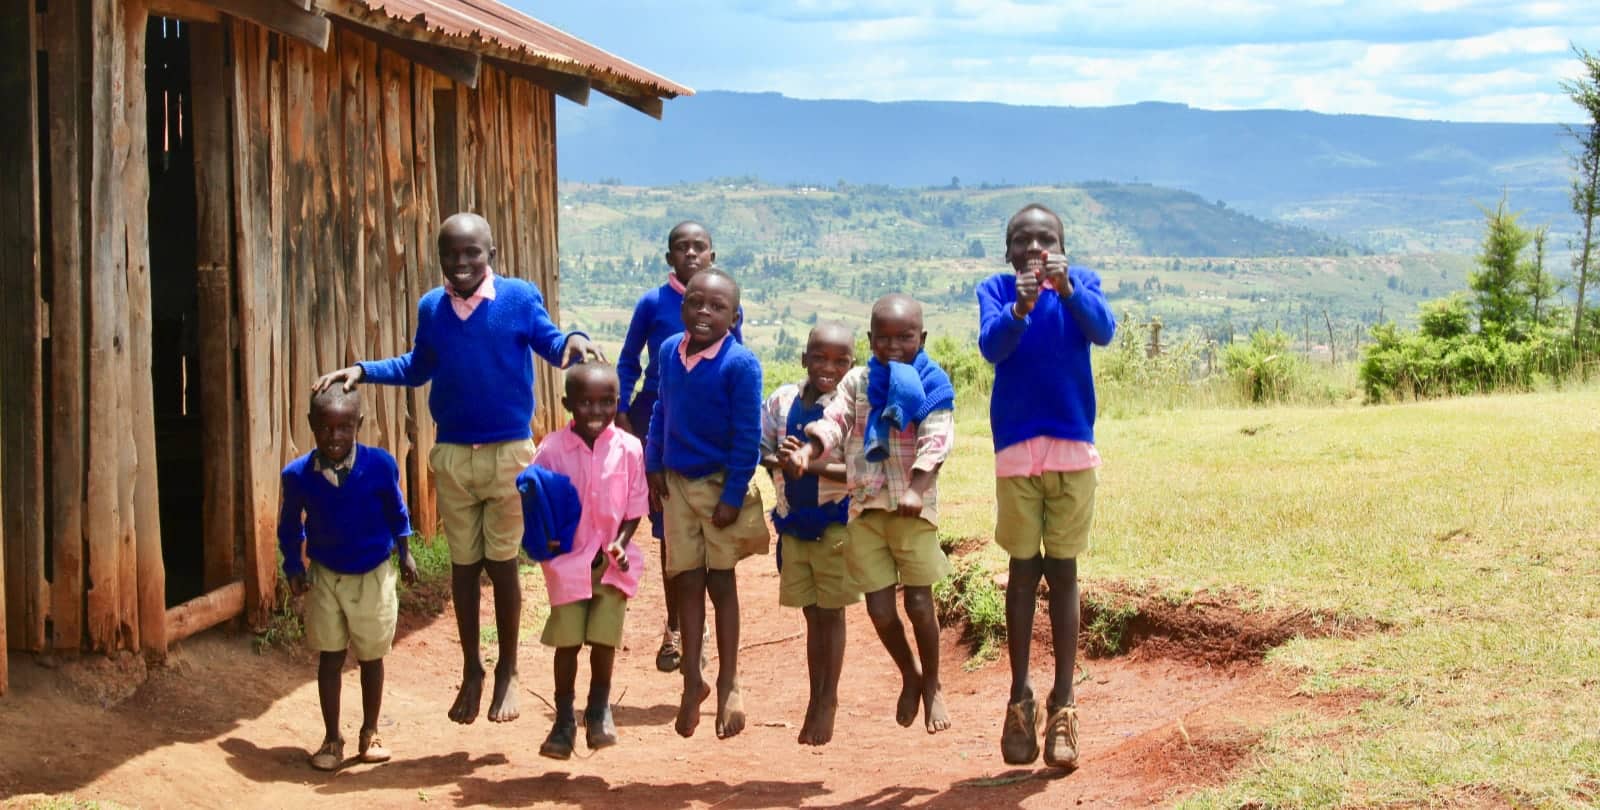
{"points": [[223, 725]]}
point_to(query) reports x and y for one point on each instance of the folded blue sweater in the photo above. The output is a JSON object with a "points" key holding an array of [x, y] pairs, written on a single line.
{"points": [[899, 395], [551, 510]]}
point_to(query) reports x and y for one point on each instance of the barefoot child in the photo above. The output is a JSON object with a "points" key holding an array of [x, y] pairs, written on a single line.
{"points": [[1036, 325], [895, 420], [342, 505], [704, 445], [656, 317], [475, 340], [590, 585], [810, 518]]}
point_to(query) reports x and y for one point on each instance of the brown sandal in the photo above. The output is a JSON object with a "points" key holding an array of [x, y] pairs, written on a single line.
{"points": [[1061, 738], [372, 748], [1019, 738], [329, 757]]}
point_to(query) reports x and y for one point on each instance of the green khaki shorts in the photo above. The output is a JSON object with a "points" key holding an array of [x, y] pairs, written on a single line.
{"points": [[352, 610], [693, 542], [886, 548], [596, 620], [814, 571], [1051, 511], [478, 500]]}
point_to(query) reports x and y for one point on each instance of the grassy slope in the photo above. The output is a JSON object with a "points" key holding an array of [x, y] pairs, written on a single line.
{"points": [[1468, 525]]}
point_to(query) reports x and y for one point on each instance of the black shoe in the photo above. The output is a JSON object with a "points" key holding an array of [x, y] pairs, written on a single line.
{"points": [[559, 744], [599, 730]]}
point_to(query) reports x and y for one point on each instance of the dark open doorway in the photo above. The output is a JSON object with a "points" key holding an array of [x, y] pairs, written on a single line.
{"points": [[175, 311]]}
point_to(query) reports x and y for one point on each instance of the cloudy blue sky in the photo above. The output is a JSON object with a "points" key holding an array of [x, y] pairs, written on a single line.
{"points": [[1446, 59]]}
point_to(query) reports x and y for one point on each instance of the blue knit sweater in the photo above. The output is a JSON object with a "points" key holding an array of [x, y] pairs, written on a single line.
{"points": [[657, 316], [482, 367], [349, 529], [1043, 385], [708, 420]]}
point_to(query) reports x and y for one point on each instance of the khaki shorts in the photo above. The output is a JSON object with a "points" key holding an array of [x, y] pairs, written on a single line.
{"points": [[1051, 511], [478, 500], [886, 548], [814, 571], [693, 542], [596, 620], [352, 610]]}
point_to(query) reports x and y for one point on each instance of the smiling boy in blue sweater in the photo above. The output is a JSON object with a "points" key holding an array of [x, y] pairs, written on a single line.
{"points": [[476, 337], [703, 449], [658, 316], [342, 505], [1035, 325]]}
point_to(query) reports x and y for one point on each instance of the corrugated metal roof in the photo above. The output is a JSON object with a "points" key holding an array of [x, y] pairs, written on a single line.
{"points": [[524, 38]]}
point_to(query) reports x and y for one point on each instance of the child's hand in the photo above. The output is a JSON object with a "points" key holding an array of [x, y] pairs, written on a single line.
{"points": [[618, 552], [724, 515], [1055, 270], [408, 570], [797, 461], [580, 349], [298, 585], [555, 547], [348, 377], [1028, 286], [658, 489], [911, 504]]}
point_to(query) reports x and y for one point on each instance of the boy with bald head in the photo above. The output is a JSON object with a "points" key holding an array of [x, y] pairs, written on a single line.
{"points": [[895, 420], [476, 337]]}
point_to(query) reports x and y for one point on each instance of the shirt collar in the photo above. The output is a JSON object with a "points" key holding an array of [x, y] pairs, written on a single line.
{"points": [[674, 283], [485, 291], [690, 360], [321, 463]]}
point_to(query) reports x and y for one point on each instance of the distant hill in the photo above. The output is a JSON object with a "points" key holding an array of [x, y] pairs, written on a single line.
{"points": [[1396, 183], [867, 223]]}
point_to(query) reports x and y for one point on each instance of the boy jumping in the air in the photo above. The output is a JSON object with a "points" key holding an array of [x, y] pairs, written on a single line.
{"points": [[810, 517], [1035, 325]]}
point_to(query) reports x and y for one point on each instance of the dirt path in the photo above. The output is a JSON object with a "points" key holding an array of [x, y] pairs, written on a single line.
{"points": [[223, 725]]}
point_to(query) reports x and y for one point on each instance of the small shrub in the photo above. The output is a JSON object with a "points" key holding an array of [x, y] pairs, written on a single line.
{"points": [[1106, 631], [1265, 368], [969, 595]]}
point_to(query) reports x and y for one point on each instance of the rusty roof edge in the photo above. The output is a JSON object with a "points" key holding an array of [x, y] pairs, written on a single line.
{"points": [[375, 14]]}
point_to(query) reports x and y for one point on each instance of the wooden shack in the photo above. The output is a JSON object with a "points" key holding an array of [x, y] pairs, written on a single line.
{"points": [[203, 205]]}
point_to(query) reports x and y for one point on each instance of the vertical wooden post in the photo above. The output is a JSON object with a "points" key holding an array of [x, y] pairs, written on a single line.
{"points": [[103, 517], [151, 569], [67, 59], [214, 277], [21, 396]]}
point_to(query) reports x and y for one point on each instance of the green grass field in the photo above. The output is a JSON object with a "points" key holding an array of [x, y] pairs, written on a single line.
{"points": [[1468, 528]]}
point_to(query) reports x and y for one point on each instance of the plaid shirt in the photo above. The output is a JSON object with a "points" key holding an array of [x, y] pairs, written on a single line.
{"points": [[335, 473], [880, 485], [775, 425]]}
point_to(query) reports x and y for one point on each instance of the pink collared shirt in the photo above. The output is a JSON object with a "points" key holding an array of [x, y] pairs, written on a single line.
{"points": [[465, 306], [692, 360], [611, 485], [1042, 454], [674, 283]]}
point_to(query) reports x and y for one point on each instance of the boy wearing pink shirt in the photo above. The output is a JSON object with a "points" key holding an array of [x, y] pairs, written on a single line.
{"points": [[1035, 325], [590, 586]]}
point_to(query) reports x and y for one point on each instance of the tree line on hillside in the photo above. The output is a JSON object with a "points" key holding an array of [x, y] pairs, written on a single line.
{"points": [[1512, 327]]}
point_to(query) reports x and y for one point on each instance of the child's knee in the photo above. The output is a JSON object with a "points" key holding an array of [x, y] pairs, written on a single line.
{"points": [[883, 613], [919, 602], [1031, 568], [1061, 573]]}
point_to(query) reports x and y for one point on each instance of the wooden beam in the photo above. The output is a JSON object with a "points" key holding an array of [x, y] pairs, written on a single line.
{"points": [[208, 94], [456, 63], [186, 10], [569, 86], [293, 19], [204, 612], [21, 361], [649, 105]]}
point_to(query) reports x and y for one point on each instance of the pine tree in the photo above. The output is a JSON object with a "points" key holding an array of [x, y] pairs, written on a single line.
{"points": [[1585, 92]]}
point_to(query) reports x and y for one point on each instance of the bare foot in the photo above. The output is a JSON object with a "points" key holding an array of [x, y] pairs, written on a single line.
{"points": [[503, 705], [465, 709], [905, 709], [689, 710], [806, 737], [933, 709], [730, 713], [822, 726]]}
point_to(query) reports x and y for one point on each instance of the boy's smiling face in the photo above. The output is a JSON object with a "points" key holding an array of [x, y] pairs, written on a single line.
{"points": [[466, 252], [896, 334], [334, 425], [830, 352], [591, 399], [1029, 235], [709, 305], [689, 250]]}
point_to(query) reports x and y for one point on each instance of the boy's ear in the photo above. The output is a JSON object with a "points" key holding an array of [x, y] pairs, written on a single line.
{"points": [[711, 257], [493, 252], [668, 258]]}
